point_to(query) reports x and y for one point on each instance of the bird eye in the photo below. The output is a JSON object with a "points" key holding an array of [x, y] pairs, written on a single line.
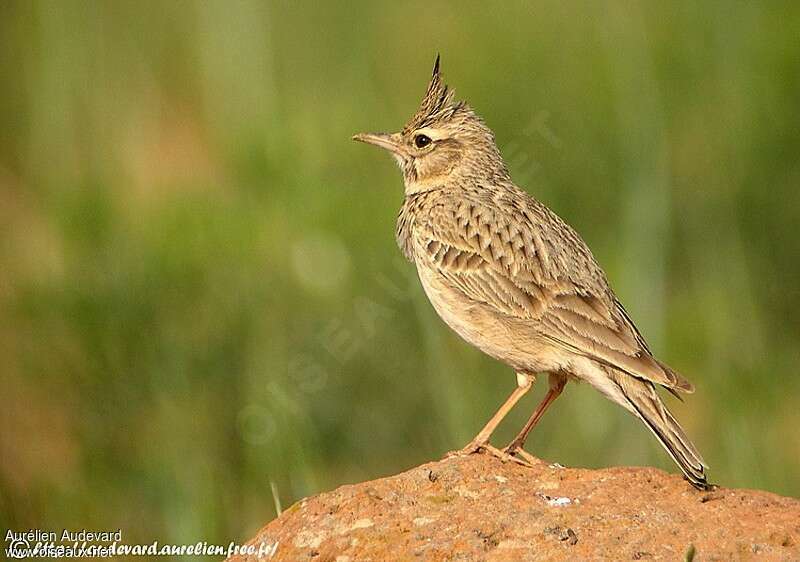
{"points": [[421, 141]]}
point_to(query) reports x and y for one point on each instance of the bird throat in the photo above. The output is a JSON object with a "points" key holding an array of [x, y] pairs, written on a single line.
{"points": [[413, 204]]}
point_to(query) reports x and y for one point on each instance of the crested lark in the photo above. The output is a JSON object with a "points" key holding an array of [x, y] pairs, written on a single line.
{"points": [[513, 279]]}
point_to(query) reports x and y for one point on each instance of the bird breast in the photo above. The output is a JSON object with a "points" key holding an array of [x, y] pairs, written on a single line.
{"points": [[510, 340]]}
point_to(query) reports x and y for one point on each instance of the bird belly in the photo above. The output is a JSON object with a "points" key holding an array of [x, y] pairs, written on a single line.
{"points": [[513, 341]]}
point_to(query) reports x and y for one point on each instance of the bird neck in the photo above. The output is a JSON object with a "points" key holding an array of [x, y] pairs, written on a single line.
{"points": [[416, 186]]}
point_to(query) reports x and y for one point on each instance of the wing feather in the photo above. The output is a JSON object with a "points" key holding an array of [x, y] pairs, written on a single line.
{"points": [[518, 267]]}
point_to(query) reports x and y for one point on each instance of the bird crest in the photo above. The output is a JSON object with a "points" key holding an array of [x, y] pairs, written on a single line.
{"points": [[437, 105]]}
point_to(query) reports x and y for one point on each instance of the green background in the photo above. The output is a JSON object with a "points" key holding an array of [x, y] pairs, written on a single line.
{"points": [[201, 300]]}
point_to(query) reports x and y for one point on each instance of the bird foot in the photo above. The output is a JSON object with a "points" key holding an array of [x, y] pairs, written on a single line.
{"points": [[477, 447], [472, 448], [506, 457], [521, 455]]}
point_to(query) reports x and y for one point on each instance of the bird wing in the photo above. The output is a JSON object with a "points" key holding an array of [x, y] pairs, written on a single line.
{"points": [[523, 261]]}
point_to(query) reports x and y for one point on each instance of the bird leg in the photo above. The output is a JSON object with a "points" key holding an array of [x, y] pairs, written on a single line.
{"points": [[481, 441], [557, 383]]}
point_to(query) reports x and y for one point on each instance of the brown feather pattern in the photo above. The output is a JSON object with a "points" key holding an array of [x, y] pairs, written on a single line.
{"points": [[512, 278], [540, 271]]}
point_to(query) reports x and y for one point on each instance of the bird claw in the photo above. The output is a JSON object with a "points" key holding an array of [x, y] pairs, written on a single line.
{"points": [[506, 457], [472, 448], [524, 455], [503, 455]]}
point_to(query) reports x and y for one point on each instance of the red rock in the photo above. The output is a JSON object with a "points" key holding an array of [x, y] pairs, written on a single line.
{"points": [[478, 508]]}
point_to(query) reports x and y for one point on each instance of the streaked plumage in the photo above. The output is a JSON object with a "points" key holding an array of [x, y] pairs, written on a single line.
{"points": [[512, 278]]}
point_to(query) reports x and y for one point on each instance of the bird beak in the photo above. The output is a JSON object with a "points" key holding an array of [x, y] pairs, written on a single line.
{"points": [[388, 141]]}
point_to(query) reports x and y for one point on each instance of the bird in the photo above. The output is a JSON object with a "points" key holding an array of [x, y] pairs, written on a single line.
{"points": [[513, 279]]}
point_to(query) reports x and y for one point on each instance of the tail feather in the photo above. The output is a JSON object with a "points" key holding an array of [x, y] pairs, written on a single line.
{"points": [[680, 382], [647, 405]]}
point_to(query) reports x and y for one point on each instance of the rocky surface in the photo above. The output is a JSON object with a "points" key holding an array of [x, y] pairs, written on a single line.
{"points": [[478, 508]]}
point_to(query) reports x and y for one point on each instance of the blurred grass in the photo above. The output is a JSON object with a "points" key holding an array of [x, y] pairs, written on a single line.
{"points": [[200, 293]]}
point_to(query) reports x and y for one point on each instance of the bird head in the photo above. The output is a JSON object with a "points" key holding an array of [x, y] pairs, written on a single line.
{"points": [[444, 141]]}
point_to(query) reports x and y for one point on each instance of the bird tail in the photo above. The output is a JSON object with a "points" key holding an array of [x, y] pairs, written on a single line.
{"points": [[647, 405]]}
